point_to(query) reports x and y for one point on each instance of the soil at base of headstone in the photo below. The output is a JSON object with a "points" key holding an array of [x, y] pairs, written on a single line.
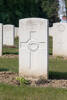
{"points": [[61, 83], [9, 56], [10, 78]]}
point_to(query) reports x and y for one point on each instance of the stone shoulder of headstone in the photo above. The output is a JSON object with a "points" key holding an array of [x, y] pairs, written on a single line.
{"points": [[26, 19], [33, 22], [55, 24], [8, 25], [59, 26]]}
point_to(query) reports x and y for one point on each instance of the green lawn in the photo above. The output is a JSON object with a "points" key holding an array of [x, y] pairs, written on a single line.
{"points": [[9, 64], [50, 45], [57, 70], [8, 92]]}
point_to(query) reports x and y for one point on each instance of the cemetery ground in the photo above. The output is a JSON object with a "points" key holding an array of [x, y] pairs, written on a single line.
{"points": [[53, 89]]}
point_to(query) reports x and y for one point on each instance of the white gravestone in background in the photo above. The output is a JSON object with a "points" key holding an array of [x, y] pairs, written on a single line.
{"points": [[8, 35], [33, 48], [16, 32], [60, 39], [51, 31], [1, 38]]}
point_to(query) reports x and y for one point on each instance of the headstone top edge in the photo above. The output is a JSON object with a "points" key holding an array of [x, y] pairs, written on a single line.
{"points": [[59, 23], [8, 25], [26, 19]]}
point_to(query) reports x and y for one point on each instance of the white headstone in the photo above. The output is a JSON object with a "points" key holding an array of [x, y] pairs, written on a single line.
{"points": [[8, 35], [33, 48], [60, 39], [16, 32], [51, 31], [1, 38]]}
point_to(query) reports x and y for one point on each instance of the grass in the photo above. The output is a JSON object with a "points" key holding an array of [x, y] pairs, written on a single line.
{"points": [[9, 64], [50, 45], [8, 92], [57, 68]]}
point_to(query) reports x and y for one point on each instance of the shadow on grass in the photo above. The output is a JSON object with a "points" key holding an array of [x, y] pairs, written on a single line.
{"points": [[14, 53], [57, 75], [3, 69]]}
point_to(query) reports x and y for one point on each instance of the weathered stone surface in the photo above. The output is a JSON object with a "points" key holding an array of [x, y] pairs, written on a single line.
{"points": [[8, 35], [33, 48], [1, 38]]}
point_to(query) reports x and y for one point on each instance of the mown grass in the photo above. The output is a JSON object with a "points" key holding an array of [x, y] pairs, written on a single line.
{"points": [[57, 68], [50, 45], [8, 92], [9, 64]]}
